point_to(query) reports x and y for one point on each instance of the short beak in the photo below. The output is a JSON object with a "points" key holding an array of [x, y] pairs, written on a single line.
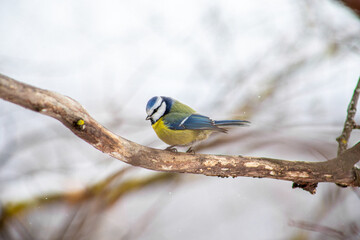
{"points": [[147, 117]]}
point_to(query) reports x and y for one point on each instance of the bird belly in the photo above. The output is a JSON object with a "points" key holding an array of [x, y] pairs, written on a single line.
{"points": [[178, 137]]}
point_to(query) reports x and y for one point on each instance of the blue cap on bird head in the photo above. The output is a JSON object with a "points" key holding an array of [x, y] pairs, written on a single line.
{"points": [[152, 102]]}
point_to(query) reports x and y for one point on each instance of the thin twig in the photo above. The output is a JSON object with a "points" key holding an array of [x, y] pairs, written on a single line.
{"points": [[349, 125]]}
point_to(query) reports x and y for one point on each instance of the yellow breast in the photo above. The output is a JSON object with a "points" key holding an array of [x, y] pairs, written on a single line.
{"points": [[178, 137]]}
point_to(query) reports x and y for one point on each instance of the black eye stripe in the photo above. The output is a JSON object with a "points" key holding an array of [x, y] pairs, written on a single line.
{"points": [[156, 109]]}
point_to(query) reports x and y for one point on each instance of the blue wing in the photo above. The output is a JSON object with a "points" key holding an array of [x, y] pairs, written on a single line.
{"points": [[182, 121]]}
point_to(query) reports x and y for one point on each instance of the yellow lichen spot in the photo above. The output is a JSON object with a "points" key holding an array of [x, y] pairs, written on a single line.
{"points": [[344, 141], [80, 122]]}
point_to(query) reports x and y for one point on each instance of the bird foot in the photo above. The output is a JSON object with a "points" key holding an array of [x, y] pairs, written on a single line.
{"points": [[190, 150], [171, 149]]}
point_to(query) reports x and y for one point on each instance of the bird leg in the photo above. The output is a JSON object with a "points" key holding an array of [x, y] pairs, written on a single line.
{"points": [[171, 149], [190, 150]]}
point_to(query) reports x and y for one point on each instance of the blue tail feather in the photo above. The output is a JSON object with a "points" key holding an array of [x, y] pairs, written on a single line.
{"points": [[231, 122]]}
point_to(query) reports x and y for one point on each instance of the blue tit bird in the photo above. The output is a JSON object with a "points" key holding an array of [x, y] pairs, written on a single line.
{"points": [[177, 124]]}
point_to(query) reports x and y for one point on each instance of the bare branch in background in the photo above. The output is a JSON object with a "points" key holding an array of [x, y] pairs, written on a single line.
{"points": [[106, 192], [331, 232], [304, 174], [354, 5]]}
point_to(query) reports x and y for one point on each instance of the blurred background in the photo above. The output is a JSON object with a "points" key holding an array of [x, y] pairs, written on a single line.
{"points": [[289, 67]]}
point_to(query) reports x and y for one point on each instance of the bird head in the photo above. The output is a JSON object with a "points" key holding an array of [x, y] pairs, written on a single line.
{"points": [[157, 107]]}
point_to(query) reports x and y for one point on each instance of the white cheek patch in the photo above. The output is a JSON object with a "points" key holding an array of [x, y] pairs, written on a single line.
{"points": [[160, 112]]}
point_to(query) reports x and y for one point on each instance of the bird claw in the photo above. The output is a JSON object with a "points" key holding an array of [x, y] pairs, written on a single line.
{"points": [[171, 149], [190, 150]]}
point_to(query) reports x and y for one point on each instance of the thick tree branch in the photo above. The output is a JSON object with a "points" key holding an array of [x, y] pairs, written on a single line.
{"points": [[74, 116]]}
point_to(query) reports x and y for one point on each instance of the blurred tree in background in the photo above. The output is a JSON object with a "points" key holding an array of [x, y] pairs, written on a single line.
{"points": [[288, 67]]}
